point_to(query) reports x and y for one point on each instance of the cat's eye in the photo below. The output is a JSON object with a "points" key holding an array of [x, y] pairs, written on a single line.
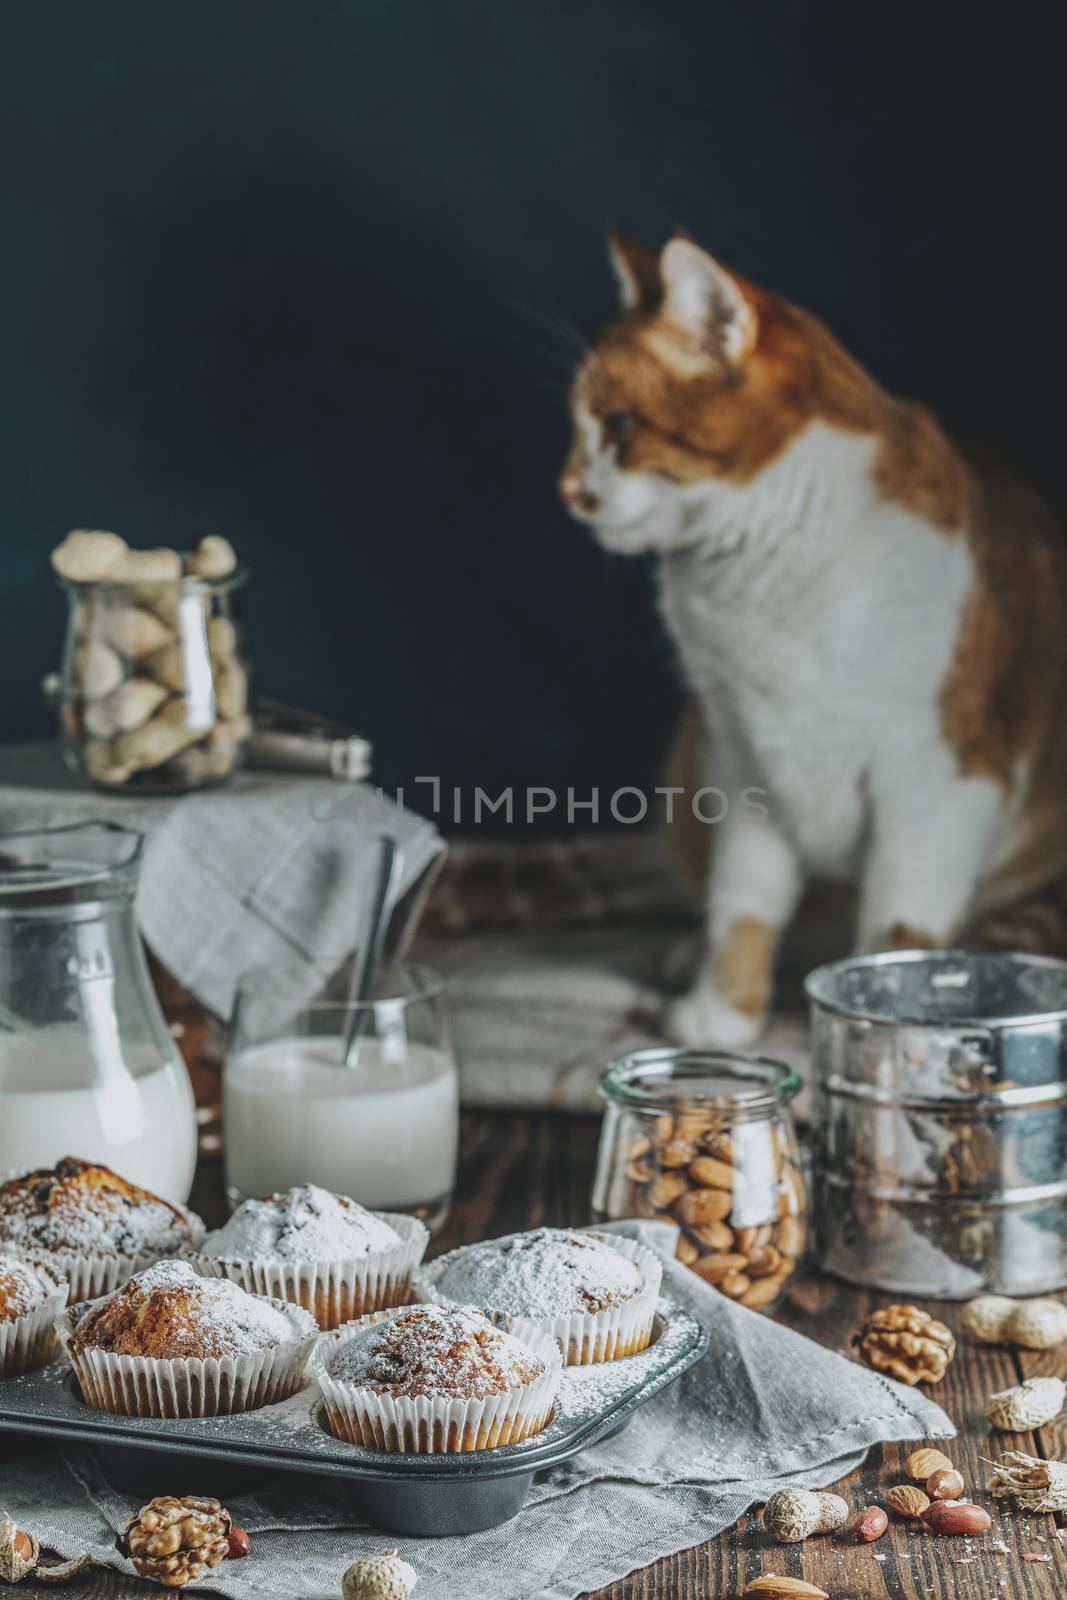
{"points": [[618, 426]]}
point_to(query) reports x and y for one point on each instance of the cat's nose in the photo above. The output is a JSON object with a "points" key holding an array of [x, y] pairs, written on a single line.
{"points": [[572, 492]]}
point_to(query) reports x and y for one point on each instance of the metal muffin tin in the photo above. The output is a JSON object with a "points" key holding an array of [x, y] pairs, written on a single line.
{"points": [[429, 1496]]}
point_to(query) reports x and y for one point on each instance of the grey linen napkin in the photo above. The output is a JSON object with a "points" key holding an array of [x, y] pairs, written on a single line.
{"points": [[764, 1408], [266, 872]]}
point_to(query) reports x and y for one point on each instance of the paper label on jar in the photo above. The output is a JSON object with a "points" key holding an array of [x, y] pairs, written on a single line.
{"points": [[756, 1197]]}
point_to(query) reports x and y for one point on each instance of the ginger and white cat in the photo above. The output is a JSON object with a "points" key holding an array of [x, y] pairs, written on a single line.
{"points": [[874, 633]]}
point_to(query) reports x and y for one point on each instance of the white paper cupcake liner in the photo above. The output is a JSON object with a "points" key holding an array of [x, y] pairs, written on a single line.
{"points": [[216, 1386], [426, 1426], [335, 1292], [92, 1276], [585, 1337], [28, 1342]]}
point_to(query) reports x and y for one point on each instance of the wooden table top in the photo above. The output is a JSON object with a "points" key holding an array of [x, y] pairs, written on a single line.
{"points": [[522, 1171]]}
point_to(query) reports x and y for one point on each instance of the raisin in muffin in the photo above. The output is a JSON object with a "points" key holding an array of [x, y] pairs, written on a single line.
{"points": [[323, 1251], [173, 1344], [87, 1224], [437, 1379], [595, 1293], [30, 1301]]}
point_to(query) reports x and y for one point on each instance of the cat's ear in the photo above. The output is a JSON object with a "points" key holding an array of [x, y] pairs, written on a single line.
{"points": [[636, 270], [705, 302]]}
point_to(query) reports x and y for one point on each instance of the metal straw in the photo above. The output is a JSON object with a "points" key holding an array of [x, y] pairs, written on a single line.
{"points": [[382, 904]]}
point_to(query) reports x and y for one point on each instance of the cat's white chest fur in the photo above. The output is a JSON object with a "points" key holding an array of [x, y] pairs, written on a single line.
{"points": [[816, 621]]}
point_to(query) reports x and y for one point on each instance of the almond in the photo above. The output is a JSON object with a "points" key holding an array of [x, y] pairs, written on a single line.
{"points": [[763, 1292], [687, 1251], [775, 1588], [676, 1153], [956, 1517], [906, 1500], [921, 1463], [666, 1189], [691, 1125], [711, 1173], [735, 1284], [699, 1206], [789, 1236], [764, 1262], [714, 1236], [713, 1269]]}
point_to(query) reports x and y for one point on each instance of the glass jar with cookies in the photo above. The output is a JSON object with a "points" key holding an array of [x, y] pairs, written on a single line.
{"points": [[154, 687], [706, 1141]]}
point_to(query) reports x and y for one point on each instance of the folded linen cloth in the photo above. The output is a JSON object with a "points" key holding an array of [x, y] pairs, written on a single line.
{"points": [[764, 1408], [268, 871]]}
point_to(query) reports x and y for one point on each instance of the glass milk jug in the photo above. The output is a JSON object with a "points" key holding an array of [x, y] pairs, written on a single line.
{"points": [[87, 1065]]}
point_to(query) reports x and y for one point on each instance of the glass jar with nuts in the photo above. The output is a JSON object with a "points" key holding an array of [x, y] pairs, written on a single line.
{"points": [[154, 686], [706, 1141]]}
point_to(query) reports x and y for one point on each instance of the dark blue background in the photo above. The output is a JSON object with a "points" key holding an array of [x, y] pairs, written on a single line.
{"points": [[295, 273]]}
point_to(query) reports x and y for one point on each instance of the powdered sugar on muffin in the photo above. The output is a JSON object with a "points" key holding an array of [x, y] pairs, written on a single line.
{"points": [[169, 1313], [305, 1224], [22, 1288], [83, 1209], [547, 1273], [436, 1352]]}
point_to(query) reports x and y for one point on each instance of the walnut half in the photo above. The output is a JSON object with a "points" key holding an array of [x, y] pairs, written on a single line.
{"points": [[907, 1344]]}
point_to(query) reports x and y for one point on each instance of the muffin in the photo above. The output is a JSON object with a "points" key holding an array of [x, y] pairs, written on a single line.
{"points": [[427, 1379], [86, 1224], [593, 1292], [320, 1250], [30, 1302], [170, 1343]]}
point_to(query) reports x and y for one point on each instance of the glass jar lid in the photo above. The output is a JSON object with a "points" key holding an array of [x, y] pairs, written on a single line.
{"points": [[735, 1083]]}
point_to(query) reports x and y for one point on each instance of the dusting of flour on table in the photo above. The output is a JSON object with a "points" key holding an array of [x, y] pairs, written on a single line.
{"points": [[306, 1224]]}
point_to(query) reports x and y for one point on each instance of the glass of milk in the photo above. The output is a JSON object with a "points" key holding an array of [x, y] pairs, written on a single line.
{"points": [[384, 1132], [88, 1067]]}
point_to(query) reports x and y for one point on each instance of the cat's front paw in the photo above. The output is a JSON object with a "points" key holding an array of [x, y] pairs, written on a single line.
{"points": [[703, 1020]]}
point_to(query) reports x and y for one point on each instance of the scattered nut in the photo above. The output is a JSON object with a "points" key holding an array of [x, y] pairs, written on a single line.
{"points": [[172, 1540], [380, 1577], [906, 1500], [1033, 1484], [869, 1524], [907, 1343], [1027, 1405], [240, 1544], [772, 1587], [1035, 1324], [921, 1463], [945, 1484], [956, 1517], [795, 1514], [19, 1550]]}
